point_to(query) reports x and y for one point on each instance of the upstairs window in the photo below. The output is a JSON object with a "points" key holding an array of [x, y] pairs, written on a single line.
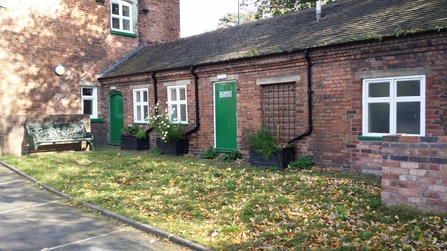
{"points": [[140, 105], [89, 98], [121, 16], [394, 106], [177, 104]]}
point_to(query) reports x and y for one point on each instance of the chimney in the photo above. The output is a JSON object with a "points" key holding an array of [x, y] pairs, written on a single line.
{"points": [[318, 10]]}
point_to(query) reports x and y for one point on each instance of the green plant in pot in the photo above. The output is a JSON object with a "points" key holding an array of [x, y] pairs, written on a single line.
{"points": [[172, 140], [264, 141], [265, 150], [134, 138]]}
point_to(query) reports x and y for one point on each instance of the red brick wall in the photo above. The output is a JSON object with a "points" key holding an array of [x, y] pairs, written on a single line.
{"points": [[161, 23], [414, 172], [337, 74], [36, 36]]}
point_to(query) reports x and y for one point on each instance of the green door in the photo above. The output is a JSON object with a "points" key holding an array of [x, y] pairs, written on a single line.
{"points": [[225, 120], [116, 118]]}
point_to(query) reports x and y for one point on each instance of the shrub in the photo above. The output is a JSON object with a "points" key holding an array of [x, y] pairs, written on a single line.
{"points": [[305, 163], [263, 141], [231, 156], [211, 153]]}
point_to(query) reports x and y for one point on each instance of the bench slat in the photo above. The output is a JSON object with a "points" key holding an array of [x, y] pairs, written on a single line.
{"points": [[56, 133]]}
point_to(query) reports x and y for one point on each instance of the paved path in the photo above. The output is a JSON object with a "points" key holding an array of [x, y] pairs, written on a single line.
{"points": [[32, 218]]}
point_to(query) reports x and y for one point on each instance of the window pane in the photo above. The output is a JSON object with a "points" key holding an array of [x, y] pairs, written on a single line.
{"points": [[87, 91], [88, 107], [379, 90], [115, 9], [174, 110], [115, 23], [379, 117], [409, 117], [138, 96], [146, 113], [183, 112], [144, 96], [173, 94], [138, 113], [408, 88], [126, 25], [126, 11], [182, 93]]}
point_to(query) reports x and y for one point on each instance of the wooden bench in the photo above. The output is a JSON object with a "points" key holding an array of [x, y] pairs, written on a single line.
{"points": [[57, 133]]}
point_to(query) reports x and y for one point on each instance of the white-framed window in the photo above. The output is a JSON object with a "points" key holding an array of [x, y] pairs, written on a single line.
{"points": [[394, 106], [89, 97], [177, 104], [121, 16], [140, 105]]}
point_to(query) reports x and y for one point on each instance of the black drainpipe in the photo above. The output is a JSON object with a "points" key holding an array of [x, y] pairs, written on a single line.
{"points": [[309, 99], [155, 97], [155, 87], [196, 87]]}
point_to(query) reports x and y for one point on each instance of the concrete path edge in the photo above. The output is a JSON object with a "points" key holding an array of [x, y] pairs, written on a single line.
{"points": [[138, 225]]}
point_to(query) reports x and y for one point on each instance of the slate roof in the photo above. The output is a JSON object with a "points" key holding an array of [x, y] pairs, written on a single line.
{"points": [[344, 21]]}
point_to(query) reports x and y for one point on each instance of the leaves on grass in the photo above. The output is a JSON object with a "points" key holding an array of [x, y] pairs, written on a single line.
{"points": [[228, 207]]}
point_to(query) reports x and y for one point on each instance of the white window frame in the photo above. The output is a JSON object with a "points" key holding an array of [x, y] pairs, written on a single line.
{"points": [[392, 100], [121, 3], [143, 104], [177, 103], [93, 97]]}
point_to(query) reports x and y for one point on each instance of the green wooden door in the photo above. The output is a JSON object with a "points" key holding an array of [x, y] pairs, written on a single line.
{"points": [[225, 119], [116, 118]]}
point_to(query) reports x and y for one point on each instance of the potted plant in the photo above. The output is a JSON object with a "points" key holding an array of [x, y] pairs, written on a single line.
{"points": [[172, 140], [266, 152], [134, 138]]}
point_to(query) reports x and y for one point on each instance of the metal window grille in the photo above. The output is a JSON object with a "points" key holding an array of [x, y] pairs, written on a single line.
{"points": [[278, 110]]}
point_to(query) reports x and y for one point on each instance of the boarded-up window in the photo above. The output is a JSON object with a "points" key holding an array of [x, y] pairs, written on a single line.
{"points": [[278, 110]]}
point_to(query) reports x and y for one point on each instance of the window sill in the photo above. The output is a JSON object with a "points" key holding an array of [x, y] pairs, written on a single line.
{"points": [[96, 120], [369, 137], [127, 34], [140, 123]]}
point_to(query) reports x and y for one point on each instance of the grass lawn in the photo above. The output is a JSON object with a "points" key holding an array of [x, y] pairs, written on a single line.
{"points": [[230, 206]]}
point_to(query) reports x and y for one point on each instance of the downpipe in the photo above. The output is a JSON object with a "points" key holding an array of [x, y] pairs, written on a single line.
{"points": [[196, 93], [309, 100]]}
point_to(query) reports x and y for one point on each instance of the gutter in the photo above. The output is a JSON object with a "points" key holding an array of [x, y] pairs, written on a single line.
{"points": [[309, 100], [196, 87]]}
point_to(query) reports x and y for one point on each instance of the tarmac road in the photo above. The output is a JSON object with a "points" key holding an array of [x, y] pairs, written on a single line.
{"points": [[32, 218]]}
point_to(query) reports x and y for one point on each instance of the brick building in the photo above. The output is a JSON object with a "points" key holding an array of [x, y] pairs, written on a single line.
{"points": [[334, 88], [53, 50]]}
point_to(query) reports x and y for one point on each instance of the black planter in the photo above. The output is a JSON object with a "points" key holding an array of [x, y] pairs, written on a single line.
{"points": [[175, 148], [129, 142], [280, 159]]}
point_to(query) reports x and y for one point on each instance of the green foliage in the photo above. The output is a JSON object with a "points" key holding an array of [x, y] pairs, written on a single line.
{"points": [[231, 156], [268, 8], [263, 141], [157, 151], [230, 19], [210, 153], [140, 134], [305, 163], [134, 130], [130, 130], [161, 122]]}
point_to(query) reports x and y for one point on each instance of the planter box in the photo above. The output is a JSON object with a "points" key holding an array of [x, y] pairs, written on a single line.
{"points": [[176, 148], [129, 142], [280, 159]]}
